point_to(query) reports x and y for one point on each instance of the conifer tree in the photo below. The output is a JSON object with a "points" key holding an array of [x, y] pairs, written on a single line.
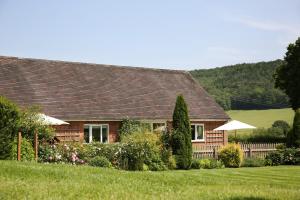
{"points": [[181, 136]]}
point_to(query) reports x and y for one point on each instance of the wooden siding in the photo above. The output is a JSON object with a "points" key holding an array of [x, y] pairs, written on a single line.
{"points": [[75, 131]]}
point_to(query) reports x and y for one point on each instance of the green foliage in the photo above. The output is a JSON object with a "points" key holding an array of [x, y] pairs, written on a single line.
{"points": [[294, 135], [290, 156], [100, 161], [231, 155], [181, 136], [27, 152], [9, 125], [195, 164], [283, 125], [243, 86], [166, 150], [260, 135], [129, 126], [253, 162], [12, 120], [287, 75], [274, 158], [206, 163], [141, 148], [30, 123]]}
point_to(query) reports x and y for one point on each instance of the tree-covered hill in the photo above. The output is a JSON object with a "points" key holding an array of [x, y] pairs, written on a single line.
{"points": [[243, 86]]}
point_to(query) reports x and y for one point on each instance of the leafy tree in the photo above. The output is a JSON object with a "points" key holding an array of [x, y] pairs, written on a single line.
{"points": [[293, 138], [181, 136], [283, 125], [13, 119], [243, 86], [287, 76], [9, 124]]}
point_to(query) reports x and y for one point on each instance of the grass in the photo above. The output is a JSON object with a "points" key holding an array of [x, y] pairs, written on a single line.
{"points": [[54, 181], [262, 118]]}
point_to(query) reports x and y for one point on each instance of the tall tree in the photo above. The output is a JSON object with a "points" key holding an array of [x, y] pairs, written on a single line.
{"points": [[9, 124], [181, 136], [287, 76], [293, 138]]}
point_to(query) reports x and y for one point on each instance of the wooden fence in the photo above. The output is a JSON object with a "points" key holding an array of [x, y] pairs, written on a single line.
{"points": [[249, 149]]}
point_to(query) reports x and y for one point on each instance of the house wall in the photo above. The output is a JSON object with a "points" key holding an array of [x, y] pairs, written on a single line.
{"points": [[74, 131], [211, 137]]}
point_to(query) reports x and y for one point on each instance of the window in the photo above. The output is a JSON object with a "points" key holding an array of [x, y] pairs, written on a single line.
{"points": [[96, 133], [197, 132]]}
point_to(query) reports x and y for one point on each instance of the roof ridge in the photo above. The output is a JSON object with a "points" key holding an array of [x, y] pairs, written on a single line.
{"points": [[93, 64]]}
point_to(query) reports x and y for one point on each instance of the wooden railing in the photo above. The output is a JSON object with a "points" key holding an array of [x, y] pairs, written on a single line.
{"points": [[249, 149]]}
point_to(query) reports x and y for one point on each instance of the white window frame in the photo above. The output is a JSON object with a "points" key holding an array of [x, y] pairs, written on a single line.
{"points": [[91, 132], [165, 125], [196, 133]]}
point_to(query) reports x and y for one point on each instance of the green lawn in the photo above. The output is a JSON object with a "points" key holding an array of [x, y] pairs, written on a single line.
{"points": [[51, 181], [262, 118]]}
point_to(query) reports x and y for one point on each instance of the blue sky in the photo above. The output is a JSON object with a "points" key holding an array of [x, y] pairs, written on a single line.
{"points": [[158, 33]]}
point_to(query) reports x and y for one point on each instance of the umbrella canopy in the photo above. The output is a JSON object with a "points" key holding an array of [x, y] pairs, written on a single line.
{"points": [[234, 125], [50, 120]]}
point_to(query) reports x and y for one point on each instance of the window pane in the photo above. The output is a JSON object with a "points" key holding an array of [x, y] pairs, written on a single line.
{"points": [[86, 134], [200, 133], [96, 134], [193, 132], [104, 133]]}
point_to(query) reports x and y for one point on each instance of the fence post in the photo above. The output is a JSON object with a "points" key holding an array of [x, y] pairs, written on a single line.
{"points": [[19, 145], [35, 146], [249, 152]]}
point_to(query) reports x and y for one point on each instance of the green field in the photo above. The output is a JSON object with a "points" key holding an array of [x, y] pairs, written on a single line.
{"points": [[262, 118], [55, 181]]}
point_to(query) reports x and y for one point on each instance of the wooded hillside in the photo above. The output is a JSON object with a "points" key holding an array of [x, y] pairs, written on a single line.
{"points": [[243, 86]]}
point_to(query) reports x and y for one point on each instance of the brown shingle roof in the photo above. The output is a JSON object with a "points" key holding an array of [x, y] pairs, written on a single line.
{"points": [[81, 91]]}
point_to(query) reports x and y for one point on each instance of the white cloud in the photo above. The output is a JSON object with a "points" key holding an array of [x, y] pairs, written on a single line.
{"points": [[288, 32], [269, 25]]}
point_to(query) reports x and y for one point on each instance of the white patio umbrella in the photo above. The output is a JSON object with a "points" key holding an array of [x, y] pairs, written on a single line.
{"points": [[234, 125], [50, 120]]}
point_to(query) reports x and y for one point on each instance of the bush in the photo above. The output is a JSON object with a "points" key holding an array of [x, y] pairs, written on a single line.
{"points": [[27, 152], [274, 158], [290, 156], [195, 164], [129, 126], [231, 155], [253, 162], [283, 125], [9, 125], [100, 161]]}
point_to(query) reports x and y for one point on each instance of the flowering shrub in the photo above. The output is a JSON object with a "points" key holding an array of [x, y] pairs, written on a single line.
{"points": [[273, 158], [60, 153]]}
